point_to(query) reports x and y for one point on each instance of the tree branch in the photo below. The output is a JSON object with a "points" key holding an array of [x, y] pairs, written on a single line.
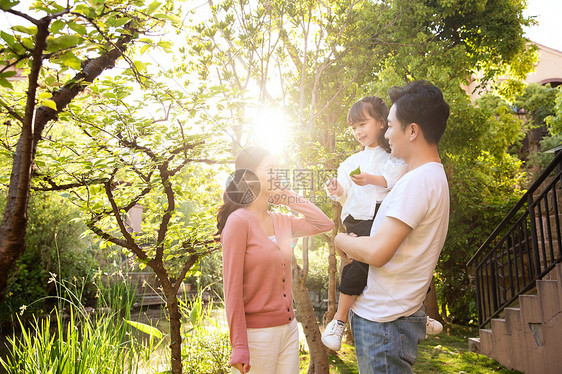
{"points": [[36, 22], [91, 70], [67, 186], [11, 111]]}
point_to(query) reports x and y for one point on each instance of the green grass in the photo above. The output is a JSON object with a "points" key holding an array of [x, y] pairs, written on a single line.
{"points": [[448, 353], [444, 353]]}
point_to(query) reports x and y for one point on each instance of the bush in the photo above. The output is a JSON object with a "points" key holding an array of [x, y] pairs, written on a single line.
{"points": [[53, 245], [206, 346]]}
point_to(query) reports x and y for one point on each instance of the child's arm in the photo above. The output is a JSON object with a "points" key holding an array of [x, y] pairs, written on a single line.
{"points": [[365, 178], [392, 170]]}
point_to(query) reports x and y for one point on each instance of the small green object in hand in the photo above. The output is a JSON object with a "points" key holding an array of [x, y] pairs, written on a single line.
{"points": [[356, 171]]}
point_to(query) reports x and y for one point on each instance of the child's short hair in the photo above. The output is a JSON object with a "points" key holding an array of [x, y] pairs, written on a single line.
{"points": [[421, 102], [376, 108]]}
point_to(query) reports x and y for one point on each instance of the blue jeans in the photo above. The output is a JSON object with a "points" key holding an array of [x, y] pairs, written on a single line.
{"points": [[387, 347]]}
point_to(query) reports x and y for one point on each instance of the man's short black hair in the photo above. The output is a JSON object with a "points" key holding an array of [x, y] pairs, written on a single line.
{"points": [[422, 103]]}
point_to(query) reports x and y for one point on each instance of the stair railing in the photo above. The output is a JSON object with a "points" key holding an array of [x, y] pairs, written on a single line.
{"points": [[524, 247]]}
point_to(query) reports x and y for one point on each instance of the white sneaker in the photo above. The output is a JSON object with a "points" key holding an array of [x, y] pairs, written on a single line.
{"points": [[333, 334], [433, 327]]}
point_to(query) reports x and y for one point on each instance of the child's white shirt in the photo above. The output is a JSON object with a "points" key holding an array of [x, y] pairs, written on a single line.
{"points": [[360, 201]]}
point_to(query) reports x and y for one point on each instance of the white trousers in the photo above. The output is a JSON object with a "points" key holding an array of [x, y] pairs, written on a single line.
{"points": [[274, 350]]}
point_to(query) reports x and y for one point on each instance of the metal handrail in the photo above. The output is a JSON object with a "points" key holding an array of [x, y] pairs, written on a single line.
{"points": [[553, 164], [520, 251]]}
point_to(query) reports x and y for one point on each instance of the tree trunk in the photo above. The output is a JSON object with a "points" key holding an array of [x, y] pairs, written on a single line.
{"points": [[175, 333], [172, 305], [430, 303], [14, 221], [332, 267], [318, 356]]}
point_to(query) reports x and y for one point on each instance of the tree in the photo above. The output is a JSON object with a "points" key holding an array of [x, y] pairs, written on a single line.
{"points": [[120, 157], [126, 142], [80, 38], [309, 50], [554, 121], [451, 44]]}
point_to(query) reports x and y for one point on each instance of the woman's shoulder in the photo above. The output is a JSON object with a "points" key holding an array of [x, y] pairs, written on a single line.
{"points": [[239, 216]]}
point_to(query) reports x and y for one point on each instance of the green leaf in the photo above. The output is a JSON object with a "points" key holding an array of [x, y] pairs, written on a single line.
{"points": [[5, 83], [85, 10], [163, 16], [356, 171], [140, 65], [50, 104], [28, 43], [7, 4], [69, 59], [32, 30], [121, 21], [117, 22], [144, 48], [62, 42], [8, 74], [152, 7], [57, 26], [147, 329], [195, 313], [80, 29], [165, 45], [8, 38]]}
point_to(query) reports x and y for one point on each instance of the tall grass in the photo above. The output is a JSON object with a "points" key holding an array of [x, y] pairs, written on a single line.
{"points": [[79, 342], [206, 347], [76, 346]]}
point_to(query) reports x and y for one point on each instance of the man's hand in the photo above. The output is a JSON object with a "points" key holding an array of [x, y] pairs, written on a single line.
{"points": [[339, 249]]}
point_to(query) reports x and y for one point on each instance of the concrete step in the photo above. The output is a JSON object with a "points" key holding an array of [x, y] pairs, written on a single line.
{"points": [[486, 342], [514, 329], [501, 350], [530, 309], [528, 338], [474, 345], [547, 292]]}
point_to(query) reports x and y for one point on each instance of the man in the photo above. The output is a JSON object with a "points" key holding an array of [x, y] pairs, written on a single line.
{"points": [[388, 319]]}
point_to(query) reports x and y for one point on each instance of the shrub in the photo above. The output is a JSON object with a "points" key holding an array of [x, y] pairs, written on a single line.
{"points": [[53, 245]]}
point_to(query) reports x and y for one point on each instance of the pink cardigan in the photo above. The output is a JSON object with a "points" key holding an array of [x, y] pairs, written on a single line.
{"points": [[257, 271]]}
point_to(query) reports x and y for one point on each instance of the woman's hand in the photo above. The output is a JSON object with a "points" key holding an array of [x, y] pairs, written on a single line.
{"points": [[243, 368], [281, 195]]}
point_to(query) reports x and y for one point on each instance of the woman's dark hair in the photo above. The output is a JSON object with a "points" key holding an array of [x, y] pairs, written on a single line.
{"points": [[422, 103], [240, 182], [376, 108]]}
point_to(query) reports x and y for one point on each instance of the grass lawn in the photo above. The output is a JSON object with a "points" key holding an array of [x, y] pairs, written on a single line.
{"points": [[444, 353]]}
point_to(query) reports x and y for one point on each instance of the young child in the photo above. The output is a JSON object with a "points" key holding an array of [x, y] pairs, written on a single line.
{"points": [[363, 181]]}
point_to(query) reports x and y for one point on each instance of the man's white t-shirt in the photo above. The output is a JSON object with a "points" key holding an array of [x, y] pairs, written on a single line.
{"points": [[420, 199]]}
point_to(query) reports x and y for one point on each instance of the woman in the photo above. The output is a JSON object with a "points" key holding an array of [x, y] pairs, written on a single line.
{"points": [[257, 254]]}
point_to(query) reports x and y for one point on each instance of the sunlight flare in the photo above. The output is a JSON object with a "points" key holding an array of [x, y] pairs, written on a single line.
{"points": [[270, 128]]}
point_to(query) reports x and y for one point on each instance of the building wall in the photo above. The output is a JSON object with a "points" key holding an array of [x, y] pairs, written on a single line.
{"points": [[548, 70]]}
